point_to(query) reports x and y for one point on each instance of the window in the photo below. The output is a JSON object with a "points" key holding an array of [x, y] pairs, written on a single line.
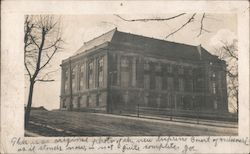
{"points": [[66, 82], [100, 72], [124, 62], [190, 85], [82, 70], [181, 84], [124, 78], [214, 87], [74, 88], [181, 70], [146, 81], [158, 67], [125, 97], [98, 99], [170, 68], [170, 83], [79, 102], [146, 66], [215, 104], [158, 82], [90, 75], [213, 75], [87, 101], [190, 71], [64, 103], [125, 72], [164, 82]]}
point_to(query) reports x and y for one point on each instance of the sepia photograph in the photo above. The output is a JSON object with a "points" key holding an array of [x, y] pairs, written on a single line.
{"points": [[124, 77], [131, 75]]}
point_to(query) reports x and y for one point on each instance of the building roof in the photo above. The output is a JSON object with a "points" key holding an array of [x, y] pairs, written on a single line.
{"points": [[149, 45]]}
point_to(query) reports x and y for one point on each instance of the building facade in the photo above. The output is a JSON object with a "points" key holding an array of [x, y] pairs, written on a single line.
{"points": [[118, 72]]}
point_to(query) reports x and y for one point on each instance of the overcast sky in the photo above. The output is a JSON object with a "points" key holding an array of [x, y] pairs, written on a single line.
{"points": [[81, 28]]}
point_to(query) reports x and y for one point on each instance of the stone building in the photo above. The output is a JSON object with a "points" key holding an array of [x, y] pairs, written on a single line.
{"points": [[117, 72]]}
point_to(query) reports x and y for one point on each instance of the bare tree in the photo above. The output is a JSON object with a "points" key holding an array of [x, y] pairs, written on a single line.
{"points": [[229, 53], [42, 40], [190, 19]]}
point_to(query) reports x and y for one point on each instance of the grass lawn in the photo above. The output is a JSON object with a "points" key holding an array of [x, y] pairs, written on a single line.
{"points": [[66, 123]]}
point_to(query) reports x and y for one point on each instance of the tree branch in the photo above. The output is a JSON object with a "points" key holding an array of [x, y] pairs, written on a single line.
{"points": [[150, 19], [202, 27], [41, 80], [230, 52], [33, 40], [49, 58], [189, 20], [54, 44]]}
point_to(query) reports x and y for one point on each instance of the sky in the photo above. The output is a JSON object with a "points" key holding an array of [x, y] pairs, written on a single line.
{"points": [[78, 29]]}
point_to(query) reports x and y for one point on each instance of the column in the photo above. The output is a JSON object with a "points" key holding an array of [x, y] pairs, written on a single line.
{"points": [[134, 72], [87, 74], [95, 72], [118, 69], [62, 81], [62, 86], [77, 77]]}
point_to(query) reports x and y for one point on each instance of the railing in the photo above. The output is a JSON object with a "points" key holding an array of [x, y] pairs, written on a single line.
{"points": [[175, 113]]}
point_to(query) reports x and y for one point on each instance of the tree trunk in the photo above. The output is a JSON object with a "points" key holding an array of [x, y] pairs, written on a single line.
{"points": [[28, 108]]}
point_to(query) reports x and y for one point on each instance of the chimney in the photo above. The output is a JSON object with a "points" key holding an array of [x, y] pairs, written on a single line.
{"points": [[199, 50]]}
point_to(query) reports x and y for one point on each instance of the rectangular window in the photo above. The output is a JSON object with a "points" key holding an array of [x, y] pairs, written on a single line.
{"points": [[100, 72], [146, 66], [215, 105], [124, 62], [181, 70], [124, 78], [66, 81], [164, 83], [181, 84], [79, 102], [190, 71], [87, 101], [189, 85], [214, 87], [125, 98], [170, 68], [158, 82], [98, 99], [146, 81], [82, 70], [91, 75], [158, 67], [125, 72], [170, 83], [74, 88], [64, 103]]}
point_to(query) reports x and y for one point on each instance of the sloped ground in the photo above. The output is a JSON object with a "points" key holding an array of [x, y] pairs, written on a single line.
{"points": [[65, 123]]}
